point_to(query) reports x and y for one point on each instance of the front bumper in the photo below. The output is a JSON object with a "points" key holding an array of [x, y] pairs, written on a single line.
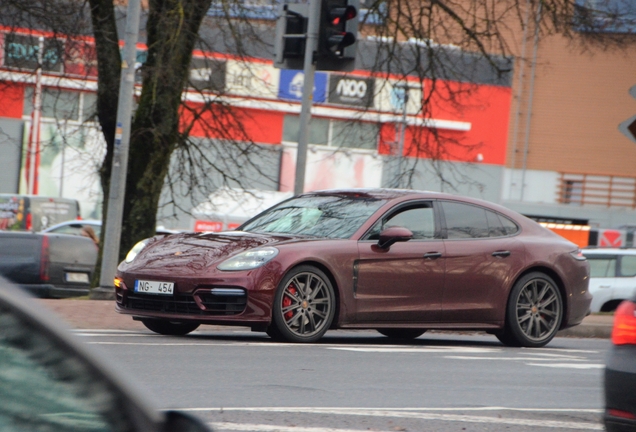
{"points": [[203, 301], [620, 382]]}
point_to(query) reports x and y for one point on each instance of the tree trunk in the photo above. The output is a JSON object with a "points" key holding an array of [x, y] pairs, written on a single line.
{"points": [[172, 30]]}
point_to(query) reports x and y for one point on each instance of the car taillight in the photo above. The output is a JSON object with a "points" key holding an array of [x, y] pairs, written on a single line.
{"points": [[44, 259], [621, 414], [624, 331], [29, 222]]}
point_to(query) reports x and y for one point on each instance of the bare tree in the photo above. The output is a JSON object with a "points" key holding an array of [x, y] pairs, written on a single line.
{"points": [[437, 43]]}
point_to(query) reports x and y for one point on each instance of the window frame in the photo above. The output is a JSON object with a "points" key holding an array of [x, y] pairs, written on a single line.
{"points": [[398, 208], [444, 227]]}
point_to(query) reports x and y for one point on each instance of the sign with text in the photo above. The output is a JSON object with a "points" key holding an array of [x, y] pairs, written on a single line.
{"points": [[292, 83], [351, 90], [207, 74], [390, 95], [257, 80], [21, 51]]}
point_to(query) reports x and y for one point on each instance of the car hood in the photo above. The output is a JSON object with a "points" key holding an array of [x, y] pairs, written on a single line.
{"points": [[199, 251]]}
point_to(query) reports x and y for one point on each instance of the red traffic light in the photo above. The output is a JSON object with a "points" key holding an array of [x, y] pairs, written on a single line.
{"points": [[340, 15]]}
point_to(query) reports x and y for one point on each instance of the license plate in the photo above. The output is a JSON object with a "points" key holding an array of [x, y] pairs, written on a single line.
{"points": [[154, 287], [76, 277]]}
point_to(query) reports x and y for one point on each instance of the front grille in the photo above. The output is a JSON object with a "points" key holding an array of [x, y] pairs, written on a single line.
{"points": [[185, 304]]}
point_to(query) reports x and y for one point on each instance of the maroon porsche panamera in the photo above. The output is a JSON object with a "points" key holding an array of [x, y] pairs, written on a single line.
{"points": [[397, 261]]}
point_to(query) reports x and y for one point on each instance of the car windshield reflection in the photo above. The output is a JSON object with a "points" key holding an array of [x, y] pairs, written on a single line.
{"points": [[316, 216]]}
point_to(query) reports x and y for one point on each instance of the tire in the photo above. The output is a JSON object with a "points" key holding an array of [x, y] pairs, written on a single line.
{"points": [[402, 333], [534, 312], [304, 306], [170, 328]]}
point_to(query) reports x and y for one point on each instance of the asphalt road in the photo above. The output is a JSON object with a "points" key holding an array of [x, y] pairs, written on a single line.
{"points": [[359, 381]]}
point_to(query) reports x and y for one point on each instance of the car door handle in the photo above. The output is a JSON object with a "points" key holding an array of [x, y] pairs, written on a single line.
{"points": [[432, 255], [501, 254]]}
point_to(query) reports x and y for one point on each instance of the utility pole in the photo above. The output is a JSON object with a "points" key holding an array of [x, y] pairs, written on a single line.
{"points": [[309, 69], [34, 139], [112, 234]]}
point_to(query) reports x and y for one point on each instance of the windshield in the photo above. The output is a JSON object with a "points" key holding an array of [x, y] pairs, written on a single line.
{"points": [[335, 216]]}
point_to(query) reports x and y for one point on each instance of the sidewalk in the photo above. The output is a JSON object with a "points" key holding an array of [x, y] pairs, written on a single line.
{"points": [[100, 314]]}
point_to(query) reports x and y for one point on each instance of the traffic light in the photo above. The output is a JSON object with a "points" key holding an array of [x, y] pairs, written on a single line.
{"points": [[337, 35], [291, 36]]}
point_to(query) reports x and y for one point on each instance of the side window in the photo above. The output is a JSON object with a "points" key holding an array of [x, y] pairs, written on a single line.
{"points": [[465, 221], [602, 266], [495, 227], [419, 220], [628, 265], [509, 226]]}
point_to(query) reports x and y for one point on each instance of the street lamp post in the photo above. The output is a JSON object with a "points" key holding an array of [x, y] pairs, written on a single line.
{"points": [[405, 99]]}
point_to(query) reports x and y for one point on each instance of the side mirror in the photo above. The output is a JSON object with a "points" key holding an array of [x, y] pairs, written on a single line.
{"points": [[391, 235]]}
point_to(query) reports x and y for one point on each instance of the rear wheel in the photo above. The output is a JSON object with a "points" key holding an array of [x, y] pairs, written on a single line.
{"points": [[534, 312], [304, 306], [171, 328], [402, 333]]}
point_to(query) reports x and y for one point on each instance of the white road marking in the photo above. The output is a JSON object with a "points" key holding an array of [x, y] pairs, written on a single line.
{"points": [[569, 365], [510, 358], [387, 349], [114, 335], [419, 415], [273, 428]]}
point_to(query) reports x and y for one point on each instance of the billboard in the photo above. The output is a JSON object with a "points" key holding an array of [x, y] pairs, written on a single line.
{"points": [[292, 82]]}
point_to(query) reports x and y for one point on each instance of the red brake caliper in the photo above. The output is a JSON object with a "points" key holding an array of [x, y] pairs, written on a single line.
{"points": [[287, 301]]}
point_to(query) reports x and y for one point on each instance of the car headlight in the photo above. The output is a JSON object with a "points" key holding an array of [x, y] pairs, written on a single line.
{"points": [[249, 259], [135, 250]]}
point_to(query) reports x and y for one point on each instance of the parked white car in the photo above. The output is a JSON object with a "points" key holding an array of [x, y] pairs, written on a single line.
{"points": [[612, 277]]}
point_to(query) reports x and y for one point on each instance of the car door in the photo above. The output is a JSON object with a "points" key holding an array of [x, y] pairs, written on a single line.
{"points": [[402, 283], [482, 257], [603, 279]]}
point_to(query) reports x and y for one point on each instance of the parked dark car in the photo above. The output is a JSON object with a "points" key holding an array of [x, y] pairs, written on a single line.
{"points": [[48, 265], [50, 382], [620, 371], [397, 261]]}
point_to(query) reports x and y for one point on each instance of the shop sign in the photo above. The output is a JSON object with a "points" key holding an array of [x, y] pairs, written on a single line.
{"points": [[251, 79], [21, 52], [80, 59], [207, 74], [390, 97], [350, 90], [292, 83], [212, 226]]}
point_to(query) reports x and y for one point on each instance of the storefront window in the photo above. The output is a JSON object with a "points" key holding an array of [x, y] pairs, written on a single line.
{"points": [[350, 134], [62, 105], [334, 133], [318, 130]]}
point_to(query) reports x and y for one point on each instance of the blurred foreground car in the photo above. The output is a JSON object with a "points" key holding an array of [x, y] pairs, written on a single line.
{"points": [[49, 382], [620, 371], [612, 277], [397, 261]]}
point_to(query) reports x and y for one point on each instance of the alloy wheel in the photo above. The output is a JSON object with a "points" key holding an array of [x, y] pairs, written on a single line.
{"points": [[538, 309], [306, 305]]}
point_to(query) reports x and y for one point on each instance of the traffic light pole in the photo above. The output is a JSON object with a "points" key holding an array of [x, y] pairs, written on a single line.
{"points": [[110, 252], [309, 70]]}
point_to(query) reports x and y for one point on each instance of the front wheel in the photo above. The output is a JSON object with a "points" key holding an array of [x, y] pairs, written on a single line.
{"points": [[304, 306], [401, 333], [534, 312], [169, 328]]}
